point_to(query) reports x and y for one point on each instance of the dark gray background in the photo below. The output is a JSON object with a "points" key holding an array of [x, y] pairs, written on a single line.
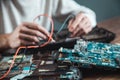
{"points": [[104, 9]]}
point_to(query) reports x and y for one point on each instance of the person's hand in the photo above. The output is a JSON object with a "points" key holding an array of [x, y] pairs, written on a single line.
{"points": [[80, 25], [27, 34]]}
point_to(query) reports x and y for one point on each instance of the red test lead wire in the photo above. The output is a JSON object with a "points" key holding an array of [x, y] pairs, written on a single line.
{"points": [[21, 47]]}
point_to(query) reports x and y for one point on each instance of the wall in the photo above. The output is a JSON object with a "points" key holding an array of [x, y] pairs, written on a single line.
{"points": [[104, 9]]}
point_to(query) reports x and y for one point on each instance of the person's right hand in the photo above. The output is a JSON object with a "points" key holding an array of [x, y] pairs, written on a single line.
{"points": [[27, 34]]}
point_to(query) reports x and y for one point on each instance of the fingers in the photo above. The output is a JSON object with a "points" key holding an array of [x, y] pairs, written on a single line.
{"points": [[36, 27], [87, 28], [25, 43], [70, 28], [29, 38], [32, 32], [81, 25], [77, 32], [75, 22], [29, 33]]}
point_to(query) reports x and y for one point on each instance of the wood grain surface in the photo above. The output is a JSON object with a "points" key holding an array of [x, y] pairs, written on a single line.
{"points": [[113, 25]]}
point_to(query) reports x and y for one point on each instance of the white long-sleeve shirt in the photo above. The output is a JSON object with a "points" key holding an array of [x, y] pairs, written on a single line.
{"points": [[14, 12]]}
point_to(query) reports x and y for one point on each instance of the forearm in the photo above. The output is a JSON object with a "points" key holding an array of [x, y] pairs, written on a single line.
{"points": [[63, 10], [4, 42]]}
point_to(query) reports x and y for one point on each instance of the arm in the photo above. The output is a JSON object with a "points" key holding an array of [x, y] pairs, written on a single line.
{"points": [[25, 34], [4, 42], [66, 7]]}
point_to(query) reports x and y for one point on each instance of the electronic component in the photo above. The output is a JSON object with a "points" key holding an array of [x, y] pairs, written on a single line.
{"points": [[20, 62], [84, 54], [48, 69], [61, 73], [97, 34], [88, 54]]}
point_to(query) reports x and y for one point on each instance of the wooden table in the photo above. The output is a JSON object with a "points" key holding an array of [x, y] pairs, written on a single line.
{"points": [[114, 26]]}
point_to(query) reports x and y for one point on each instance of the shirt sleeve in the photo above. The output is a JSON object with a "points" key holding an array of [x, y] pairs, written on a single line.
{"points": [[62, 8]]}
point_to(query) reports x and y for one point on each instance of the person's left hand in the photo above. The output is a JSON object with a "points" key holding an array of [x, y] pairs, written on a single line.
{"points": [[80, 25]]}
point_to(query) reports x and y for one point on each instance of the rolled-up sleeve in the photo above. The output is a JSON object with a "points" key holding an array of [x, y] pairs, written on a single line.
{"points": [[62, 8]]}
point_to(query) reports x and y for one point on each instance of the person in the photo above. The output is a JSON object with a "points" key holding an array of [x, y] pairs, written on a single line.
{"points": [[16, 20]]}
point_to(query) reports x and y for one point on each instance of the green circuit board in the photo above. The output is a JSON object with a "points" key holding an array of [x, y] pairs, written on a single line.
{"points": [[92, 54]]}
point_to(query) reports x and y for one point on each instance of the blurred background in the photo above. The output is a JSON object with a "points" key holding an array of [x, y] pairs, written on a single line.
{"points": [[104, 9]]}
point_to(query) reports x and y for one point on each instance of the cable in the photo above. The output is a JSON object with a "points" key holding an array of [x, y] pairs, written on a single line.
{"points": [[18, 63], [65, 22], [52, 28], [22, 47], [21, 59], [10, 65]]}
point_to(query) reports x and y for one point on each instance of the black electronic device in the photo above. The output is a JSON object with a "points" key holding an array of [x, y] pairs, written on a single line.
{"points": [[98, 34]]}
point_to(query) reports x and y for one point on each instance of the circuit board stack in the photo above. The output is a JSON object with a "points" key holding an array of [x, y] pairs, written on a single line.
{"points": [[88, 54]]}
